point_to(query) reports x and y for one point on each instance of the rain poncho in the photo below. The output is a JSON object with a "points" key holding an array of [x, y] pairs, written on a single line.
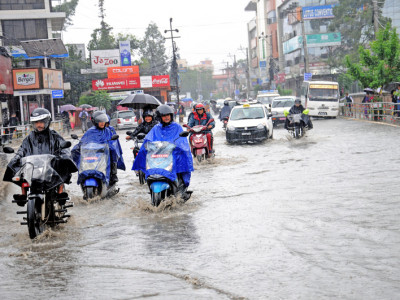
{"points": [[120, 163], [95, 139], [183, 162]]}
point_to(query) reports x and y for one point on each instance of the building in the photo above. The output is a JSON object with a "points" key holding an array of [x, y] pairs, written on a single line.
{"points": [[391, 9], [203, 65]]}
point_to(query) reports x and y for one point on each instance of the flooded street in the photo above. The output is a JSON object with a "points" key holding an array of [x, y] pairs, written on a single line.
{"points": [[287, 219]]}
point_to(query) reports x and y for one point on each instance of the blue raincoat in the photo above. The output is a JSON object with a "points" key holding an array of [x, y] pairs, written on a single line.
{"points": [[98, 136], [183, 162], [120, 163]]}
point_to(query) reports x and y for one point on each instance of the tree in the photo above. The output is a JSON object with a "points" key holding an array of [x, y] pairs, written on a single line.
{"points": [[102, 39], [354, 20], [152, 50], [197, 82], [379, 65], [69, 8], [100, 99]]}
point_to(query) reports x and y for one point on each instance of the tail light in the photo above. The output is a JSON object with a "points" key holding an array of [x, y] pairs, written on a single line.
{"points": [[25, 185], [119, 121], [135, 119]]}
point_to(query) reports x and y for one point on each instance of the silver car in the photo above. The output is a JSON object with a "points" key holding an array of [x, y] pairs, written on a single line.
{"points": [[123, 119]]}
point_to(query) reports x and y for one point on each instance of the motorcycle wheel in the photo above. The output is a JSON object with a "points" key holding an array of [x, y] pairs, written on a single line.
{"points": [[89, 192], [199, 158], [297, 132], [141, 177], [35, 225], [156, 198]]}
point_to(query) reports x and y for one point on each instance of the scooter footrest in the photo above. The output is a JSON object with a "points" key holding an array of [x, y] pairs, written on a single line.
{"points": [[19, 197], [60, 210], [24, 223], [66, 216], [60, 221], [20, 203], [21, 212], [69, 205]]}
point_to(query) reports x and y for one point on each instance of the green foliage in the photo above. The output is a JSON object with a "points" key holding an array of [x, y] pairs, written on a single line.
{"points": [[380, 64], [197, 82], [69, 8], [345, 81], [284, 92], [102, 39], [100, 99]]}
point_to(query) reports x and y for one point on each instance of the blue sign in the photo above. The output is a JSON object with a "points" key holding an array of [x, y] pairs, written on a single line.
{"points": [[307, 76], [57, 94], [318, 12], [263, 63]]}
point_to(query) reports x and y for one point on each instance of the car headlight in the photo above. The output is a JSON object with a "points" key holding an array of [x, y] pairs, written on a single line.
{"points": [[231, 128], [261, 126]]}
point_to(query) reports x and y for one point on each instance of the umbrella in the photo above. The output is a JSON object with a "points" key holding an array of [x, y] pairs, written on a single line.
{"points": [[140, 101], [67, 107], [186, 99], [85, 106], [368, 90]]}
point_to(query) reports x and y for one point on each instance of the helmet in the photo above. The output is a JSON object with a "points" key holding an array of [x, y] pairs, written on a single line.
{"points": [[40, 114], [164, 110], [199, 106], [226, 102], [297, 101], [98, 117], [148, 113]]}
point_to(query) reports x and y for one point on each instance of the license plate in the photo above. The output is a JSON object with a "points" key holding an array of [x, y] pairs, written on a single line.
{"points": [[246, 133], [127, 120], [282, 119], [322, 113]]}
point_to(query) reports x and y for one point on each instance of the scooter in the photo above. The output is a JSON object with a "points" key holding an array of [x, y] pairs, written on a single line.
{"points": [[160, 156], [42, 191], [94, 171], [225, 123], [138, 144], [198, 141]]}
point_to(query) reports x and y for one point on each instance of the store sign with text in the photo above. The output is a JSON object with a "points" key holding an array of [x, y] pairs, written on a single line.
{"points": [[122, 72], [103, 59], [116, 84], [318, 12], [160, 81], [26, 79]]}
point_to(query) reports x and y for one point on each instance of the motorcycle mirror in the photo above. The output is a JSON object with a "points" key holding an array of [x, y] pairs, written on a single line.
{"points": [[184, 134], [141, 136], [65, 144], [8, 150], [269, 115], [129, 132], [74, 136], [115, 137]]}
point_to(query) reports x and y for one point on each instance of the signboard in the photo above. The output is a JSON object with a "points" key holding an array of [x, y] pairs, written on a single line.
{"points": [[292, 44], [280, 78], [160, 81], [324, 39], [122, 72], [323, 86], [52, 79], [57, 94], [102, 59], [125, 52], [318, 12], [263, 63], [116, 84], [307, 76], [146, 82], [26, 79]]}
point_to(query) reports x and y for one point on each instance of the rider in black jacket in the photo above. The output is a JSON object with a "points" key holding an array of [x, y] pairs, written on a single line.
{"points": [[146, 126]]}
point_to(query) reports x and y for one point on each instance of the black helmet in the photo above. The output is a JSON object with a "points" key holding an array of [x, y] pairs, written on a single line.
{"points": [[148, 113], [297, 101], [226, 102], [40, 114], [98, 117], [164, 110]]}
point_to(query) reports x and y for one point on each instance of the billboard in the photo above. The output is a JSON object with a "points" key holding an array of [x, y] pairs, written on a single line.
{"points": [[26, 79], [102, 59], [318, 12], [125, 52], [146, 82], [116, 84], [121, 72], [160, 81], [52, 79], [324, 39]]}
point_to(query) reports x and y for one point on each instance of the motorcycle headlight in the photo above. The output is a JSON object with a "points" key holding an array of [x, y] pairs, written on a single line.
{"points": [[260, 126], [231, 128]]}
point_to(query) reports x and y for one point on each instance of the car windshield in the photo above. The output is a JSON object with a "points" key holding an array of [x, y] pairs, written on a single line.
{"points": [[282, 103], [125, 114], [247, 113], [323, 94]]}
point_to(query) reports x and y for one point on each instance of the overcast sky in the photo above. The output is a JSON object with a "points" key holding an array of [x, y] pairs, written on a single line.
{"points": [[209, 28]]}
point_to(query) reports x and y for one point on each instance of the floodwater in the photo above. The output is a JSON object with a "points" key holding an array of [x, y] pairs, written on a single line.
{"points": [[315, 218]]}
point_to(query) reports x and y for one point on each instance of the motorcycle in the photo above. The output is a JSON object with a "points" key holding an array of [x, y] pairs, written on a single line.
{"points": [[198, 141], [94, 172], [159, 156], [297, 122], [138, 144], [42, 191], [225, 123]]}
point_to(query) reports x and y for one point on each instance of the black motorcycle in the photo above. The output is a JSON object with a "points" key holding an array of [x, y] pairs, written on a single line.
{"points": [[138, 143], [296, 125], [42, 190]]}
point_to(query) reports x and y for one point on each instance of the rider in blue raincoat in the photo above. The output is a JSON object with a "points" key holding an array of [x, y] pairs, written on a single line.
{"points": [[168, 131], [120, 163], [100, 134]]}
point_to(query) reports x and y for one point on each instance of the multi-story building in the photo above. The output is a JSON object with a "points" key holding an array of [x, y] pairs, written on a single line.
{"points": [[391, 9], [203, 65]]}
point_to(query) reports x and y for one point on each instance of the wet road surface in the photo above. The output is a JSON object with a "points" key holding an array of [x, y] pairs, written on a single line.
{"points": [[315, 218]]}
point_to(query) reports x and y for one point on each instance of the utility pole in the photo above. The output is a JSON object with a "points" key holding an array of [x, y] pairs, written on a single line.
{"points": [[247, 71], [303, 33], [174, 63], [376, 16]]}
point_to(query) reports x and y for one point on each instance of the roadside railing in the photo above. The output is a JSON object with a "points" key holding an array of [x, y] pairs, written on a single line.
{"points": [[387, 112]]}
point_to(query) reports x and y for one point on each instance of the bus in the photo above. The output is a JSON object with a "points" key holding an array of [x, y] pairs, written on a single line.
{"points": [[321, 98]]}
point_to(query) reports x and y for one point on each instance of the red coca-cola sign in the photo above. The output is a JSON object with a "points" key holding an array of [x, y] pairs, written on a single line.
{"points": [[160, 80], [116, 84]]}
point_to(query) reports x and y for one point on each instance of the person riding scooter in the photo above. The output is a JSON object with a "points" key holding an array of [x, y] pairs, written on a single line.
{"points": [[225, 111], [146, 126], [297, 108], [200, 117], [42, 140]]}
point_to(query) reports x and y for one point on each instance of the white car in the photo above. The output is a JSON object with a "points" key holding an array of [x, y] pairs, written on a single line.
{"points": [[279, 104], [123, 119], [266, 99], [249, 123]]}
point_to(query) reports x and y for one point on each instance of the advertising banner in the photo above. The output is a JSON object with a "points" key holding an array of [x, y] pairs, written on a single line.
{"points": [[26, 79], [125, 52], [116, 84], [52, 79], [102, 59], [318, 12], [160, 81], [123, 72], [146, 82], [324, 39], [293, 44]]}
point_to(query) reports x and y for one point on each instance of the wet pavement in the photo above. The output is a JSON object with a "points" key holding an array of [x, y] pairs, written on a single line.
{"points": [[314, 218]]}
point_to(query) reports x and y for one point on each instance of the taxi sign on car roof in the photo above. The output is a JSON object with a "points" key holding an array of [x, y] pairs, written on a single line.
{"points": [[246, 105]]}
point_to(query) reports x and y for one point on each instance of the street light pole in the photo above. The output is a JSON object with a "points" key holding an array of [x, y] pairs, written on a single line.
{"points": [[174, 63]]}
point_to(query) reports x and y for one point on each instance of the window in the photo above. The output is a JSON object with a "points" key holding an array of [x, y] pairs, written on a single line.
{"points": [[21, 4], [20, 30]]}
